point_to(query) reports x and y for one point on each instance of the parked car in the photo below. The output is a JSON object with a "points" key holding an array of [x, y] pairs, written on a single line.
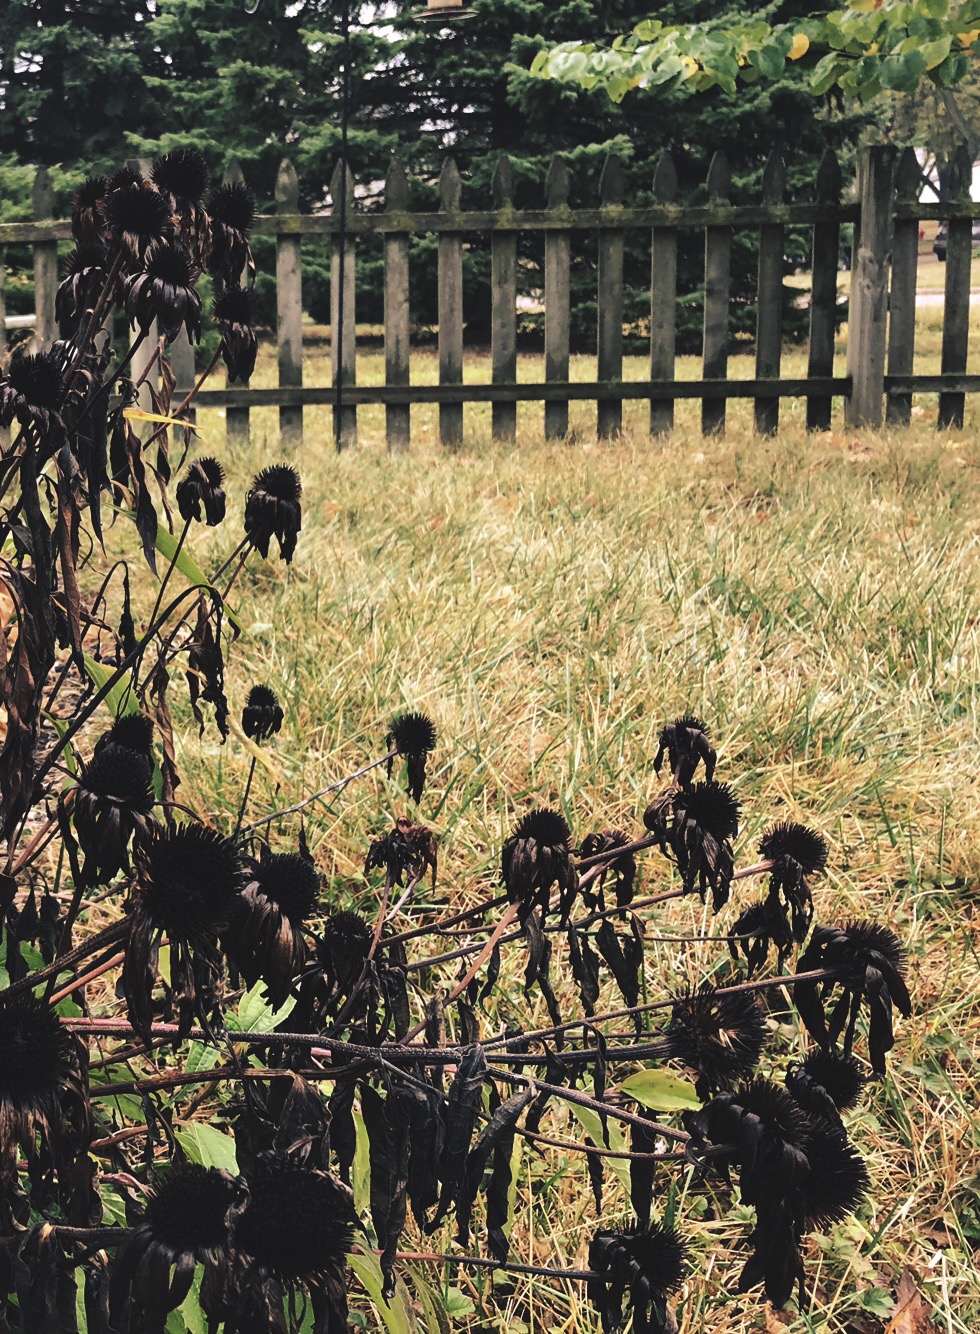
{"points": [[939, 245]]}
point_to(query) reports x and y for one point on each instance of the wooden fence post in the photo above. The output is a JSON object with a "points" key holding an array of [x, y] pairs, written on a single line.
{"points": [[717, 288], [609, 303], [289, 304], [45, 264], [868, 313], [140, 367], [663, 296], [901, 298], [503, 318], [450, 306], [4, 432], [769, 310], [398, 419], [557, 307], [956, 311], [823, 291], [343, 349], [236, 419]]}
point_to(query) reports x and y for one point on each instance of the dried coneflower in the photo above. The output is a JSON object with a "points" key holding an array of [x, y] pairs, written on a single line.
{"points": [[720, 1037], [867, 964], [132, 731], [408, 849], [188, 879], [535, 859], [231, 209], [687, 743], [31, 392], [837, 1182], [135, 216], [294, 1233], [825, 1083], [704, 824], [265, 936], [110, 804], [182, 177], [649, 1262], [81, 286], [86, 218], [412, 736], [262, 716], [185, 1225], [235, 316], [797, 854], [621, 868], [201, 493], [342, 950], [273, 509], [164, 291]]}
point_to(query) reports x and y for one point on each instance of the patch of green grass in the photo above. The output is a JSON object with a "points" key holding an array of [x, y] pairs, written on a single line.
{"points": [[815, 598]]}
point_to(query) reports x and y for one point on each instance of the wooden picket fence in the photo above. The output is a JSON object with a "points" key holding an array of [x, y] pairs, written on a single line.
{"points": [[880, 378]]}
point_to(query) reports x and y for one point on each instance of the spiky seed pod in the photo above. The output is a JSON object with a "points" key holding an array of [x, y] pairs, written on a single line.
{"points": [[720, 1037], [235, 316], [265, 937], [182, 176], [164, 291], [86, 220], [764, 923], [231, 209], [186, 1223], [409, 848], [623, 868], [343, 948], [686, 742], [110, 804], [262, 716], [273, 509], [838, 1178], [202, 486], [825, 1083], [705, 820], [132, 731], [797, 843], [412, 735], [649, 1262], [31, 393], [537, 858], [84, 277], [867, 962], [188, 881], [797, 855], [135, 216]]}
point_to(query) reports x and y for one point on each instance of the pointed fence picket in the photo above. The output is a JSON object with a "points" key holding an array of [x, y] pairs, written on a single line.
{"points": [[881, 335]]}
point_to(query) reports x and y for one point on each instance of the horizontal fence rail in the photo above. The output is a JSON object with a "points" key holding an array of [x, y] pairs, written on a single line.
{"points": [[879, 380]]}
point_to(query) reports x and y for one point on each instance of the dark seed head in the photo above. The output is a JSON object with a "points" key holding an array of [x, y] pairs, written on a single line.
{"points": [[182, 174], [804, 846], [776, 1109], [232, 206], [234, 316], [838, 1177], [120, 774], [713, 807], [132, 731], [189, 878], [188, 1211], [655, 1255], [719, 1036], [411, 734], [262, 716], [272, 509], [289, 881], [234, 306], [85, 212], [200, 492], [839, 1077], [32, 391], [346, 937], [135, 214], [298, 1224], [34, 1053], [548, 828]]}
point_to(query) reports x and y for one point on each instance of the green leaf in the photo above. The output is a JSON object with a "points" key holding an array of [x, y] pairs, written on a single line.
{"points": [[903, 72], [877, 1300], [398, 1317], [120, 698], [208, 1146], [592, 1125], [255, 1014], [166, 544], [661, 1091]]}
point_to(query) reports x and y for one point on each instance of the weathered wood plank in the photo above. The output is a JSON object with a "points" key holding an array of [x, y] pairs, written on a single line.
{"points": [[609, 299], [663, 296], [769, 311], [956, 310], [45, 264], [557, 307], [717, 290], [868, 313], [901, 298], [4, 431], [398, 424], [579, 390], [450, 307], [343, 319], [237, 419], [503, 315], [289, 305], [143, 366], [823, 290]]}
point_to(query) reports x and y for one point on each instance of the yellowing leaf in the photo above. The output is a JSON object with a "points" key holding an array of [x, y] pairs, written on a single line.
{"points": [[661, 1091], [138, 415], [801, 45], [691, 66], [968, 38]]}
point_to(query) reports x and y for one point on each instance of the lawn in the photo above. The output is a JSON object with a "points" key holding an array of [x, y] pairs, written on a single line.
{"points": [[814, 598]]}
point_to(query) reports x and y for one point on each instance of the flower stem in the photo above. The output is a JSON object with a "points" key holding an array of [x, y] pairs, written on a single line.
{"points": [[324, 791], [248, 789]]}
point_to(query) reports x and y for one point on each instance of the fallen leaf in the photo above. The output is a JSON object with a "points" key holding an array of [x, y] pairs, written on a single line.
{"points": [[913, 1314]]}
